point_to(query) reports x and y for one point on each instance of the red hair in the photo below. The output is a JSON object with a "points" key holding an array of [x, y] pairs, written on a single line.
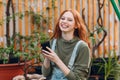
{"points": [[81, 30]]}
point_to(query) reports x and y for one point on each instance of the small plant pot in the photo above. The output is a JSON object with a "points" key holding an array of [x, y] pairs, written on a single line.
{"points": [[14, 60], [95, 68], [98, 67], [1, 61], [38, 69]]}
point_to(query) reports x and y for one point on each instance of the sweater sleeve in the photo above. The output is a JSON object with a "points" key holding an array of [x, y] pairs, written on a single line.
{"points": [[46, 72], [81, 65]]}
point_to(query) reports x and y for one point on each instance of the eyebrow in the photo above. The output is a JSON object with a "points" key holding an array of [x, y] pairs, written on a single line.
{"points": [[67, 17]]}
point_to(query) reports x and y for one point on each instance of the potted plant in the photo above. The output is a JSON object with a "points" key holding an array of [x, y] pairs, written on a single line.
{"points": [[106, 68], [22, 48], [28, 50], [9, 62]]}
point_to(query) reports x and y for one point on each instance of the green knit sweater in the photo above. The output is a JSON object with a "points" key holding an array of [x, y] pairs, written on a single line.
{"points": [[82, 62]]}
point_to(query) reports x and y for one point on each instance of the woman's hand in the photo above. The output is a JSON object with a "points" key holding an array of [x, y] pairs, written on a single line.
{"points": [[51, 55]]}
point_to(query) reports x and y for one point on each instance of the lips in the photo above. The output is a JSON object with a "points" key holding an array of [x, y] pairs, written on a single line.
{"points": [[64, 26]]}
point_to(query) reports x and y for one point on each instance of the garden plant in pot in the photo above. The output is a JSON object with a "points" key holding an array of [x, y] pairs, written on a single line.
{"points": [[9, 62], [23, 49], [106, 68], [8, 54]]}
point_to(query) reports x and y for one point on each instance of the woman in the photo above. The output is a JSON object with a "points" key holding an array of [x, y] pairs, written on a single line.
{"points": [[62, 60]]}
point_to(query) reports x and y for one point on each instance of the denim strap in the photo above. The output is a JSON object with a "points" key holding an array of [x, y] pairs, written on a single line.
{"points": [[73, 56], [74, 53], [53, 48], [54, 44]]}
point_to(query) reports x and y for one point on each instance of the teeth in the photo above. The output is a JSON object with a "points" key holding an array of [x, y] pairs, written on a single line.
{"points": [[65, 26]]}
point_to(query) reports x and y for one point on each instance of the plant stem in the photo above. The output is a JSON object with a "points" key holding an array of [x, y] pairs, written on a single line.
{"points": [[7, 23]]}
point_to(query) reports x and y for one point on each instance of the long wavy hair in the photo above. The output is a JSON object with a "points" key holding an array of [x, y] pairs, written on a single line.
{"points": [[81, 30]]}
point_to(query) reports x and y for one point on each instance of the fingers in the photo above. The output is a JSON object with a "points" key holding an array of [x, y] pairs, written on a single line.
{"points": [[48, 55], [46, 52], [51, 55], [49, 49]]}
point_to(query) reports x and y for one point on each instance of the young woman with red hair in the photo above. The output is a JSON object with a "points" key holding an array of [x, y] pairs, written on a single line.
{"points": [[68, 57]]}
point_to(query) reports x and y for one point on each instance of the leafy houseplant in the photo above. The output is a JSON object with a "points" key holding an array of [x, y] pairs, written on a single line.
{"points": [[32, 48], [25, 48], [8, 56], [8, 53], [106, 68]]}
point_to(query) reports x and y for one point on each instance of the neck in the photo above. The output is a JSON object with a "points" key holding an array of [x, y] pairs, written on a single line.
{"points": [[67, 36]]}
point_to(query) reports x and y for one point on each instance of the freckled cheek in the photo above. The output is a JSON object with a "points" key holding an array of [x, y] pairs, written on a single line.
{"points": [[72, 24]]}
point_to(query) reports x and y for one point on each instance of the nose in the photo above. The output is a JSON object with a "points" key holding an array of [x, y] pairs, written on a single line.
{"points": [[64, 20]]}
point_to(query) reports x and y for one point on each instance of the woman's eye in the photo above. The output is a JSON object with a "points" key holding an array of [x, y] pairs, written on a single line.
{"points": [[69, 19], [63, 18]]}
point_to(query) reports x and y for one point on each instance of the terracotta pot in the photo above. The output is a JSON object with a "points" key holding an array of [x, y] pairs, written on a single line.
{"points": [[8, 71]]}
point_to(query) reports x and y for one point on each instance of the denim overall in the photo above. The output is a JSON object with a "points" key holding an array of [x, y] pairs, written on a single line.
{"points": [[57, 74]]}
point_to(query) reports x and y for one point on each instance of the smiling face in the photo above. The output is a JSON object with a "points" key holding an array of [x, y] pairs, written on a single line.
{"points": [[70, 23], [67, 23]]}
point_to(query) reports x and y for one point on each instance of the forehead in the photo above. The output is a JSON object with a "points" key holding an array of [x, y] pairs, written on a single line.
{"points": [[68, 14]]}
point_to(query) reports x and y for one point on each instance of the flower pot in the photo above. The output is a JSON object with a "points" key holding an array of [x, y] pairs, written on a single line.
{"points": [[38, 70], [8, 71], [95, 68], [1, 61], [14, 60]]}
